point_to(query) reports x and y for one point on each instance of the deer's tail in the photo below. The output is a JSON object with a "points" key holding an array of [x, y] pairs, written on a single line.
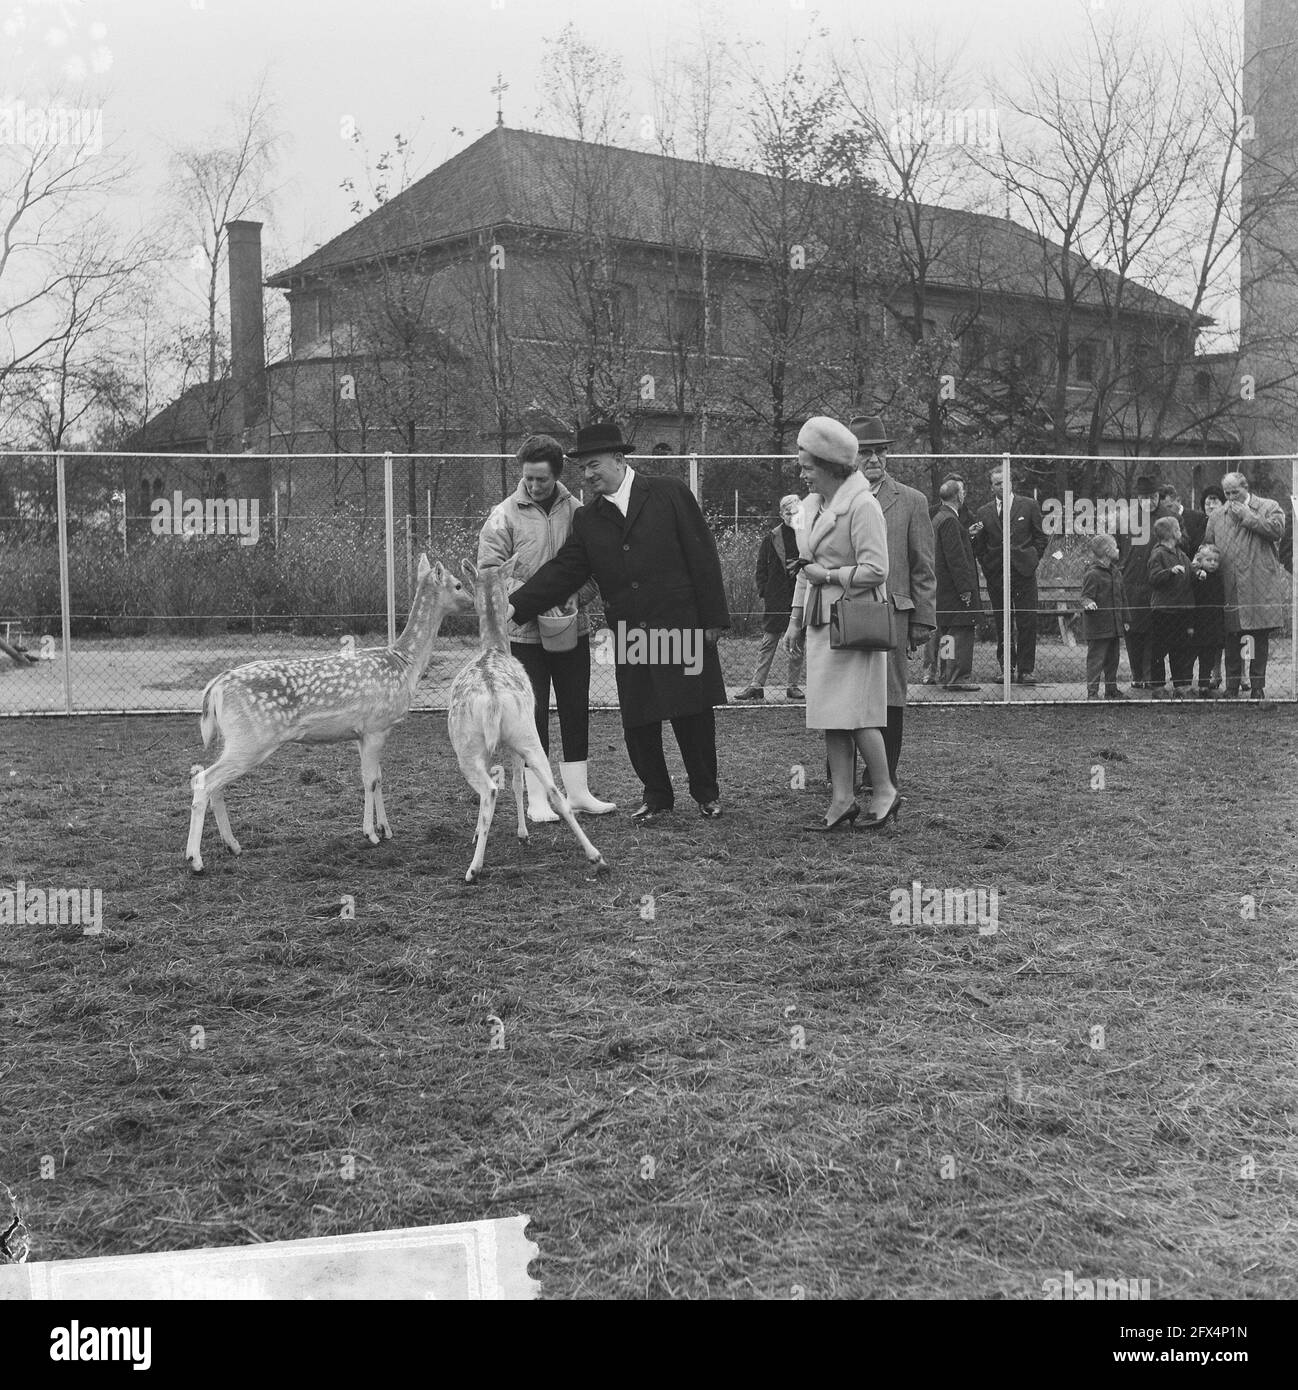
{"points": [[492, 721], [211, 719]]}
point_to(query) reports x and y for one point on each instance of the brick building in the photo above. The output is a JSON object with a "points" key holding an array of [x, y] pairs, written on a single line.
{"points": [[533, 282]]}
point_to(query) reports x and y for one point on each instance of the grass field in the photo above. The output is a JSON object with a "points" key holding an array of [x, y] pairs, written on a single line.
{"points": [[949, 1125]]}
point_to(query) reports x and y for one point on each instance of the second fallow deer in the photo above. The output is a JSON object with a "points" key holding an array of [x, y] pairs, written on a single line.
{"points": [[493, 710]]}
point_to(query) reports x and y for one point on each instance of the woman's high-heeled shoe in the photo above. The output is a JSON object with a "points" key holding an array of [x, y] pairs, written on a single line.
{"points": [[845, 820], [873, 822]]}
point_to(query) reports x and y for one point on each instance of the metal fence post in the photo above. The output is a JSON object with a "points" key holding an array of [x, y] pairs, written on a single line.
{"points": [[389, 545], [1007, 614], [410, 557], [1293, 585], [65, 592]]}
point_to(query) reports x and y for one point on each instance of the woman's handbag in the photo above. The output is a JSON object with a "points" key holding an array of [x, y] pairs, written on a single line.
{"points": [[558, 634], [861, 624]]}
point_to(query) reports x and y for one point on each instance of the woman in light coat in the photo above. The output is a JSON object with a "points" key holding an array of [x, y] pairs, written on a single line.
{"points": [[532, 524], [844, 542]]}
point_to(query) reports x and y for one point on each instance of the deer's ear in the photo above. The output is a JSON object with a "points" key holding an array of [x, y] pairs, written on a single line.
{"points": [[424, 568], [469, 570]]}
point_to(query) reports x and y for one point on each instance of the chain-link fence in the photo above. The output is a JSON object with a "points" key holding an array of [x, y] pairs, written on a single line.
{"points": [[128, 582]]}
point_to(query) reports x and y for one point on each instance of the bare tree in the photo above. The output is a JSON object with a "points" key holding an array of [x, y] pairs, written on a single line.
{"points": [[780, 207], [1129, 174], [691, 131], [223, 180], [63, 272]]}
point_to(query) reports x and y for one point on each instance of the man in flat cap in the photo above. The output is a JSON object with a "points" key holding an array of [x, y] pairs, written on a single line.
{"points": [[645, 543], [912, 583]]}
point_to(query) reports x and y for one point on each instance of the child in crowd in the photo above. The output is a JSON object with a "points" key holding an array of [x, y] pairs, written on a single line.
{"points": [[1171, 596], [1105, 618], [1209, 614]]}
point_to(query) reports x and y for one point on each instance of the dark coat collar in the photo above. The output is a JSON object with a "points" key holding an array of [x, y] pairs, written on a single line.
{"points": [[639, 492]]}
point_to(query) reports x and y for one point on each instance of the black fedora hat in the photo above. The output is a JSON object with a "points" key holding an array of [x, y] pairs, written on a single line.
{"points": [[603, 438], [870, 429]]}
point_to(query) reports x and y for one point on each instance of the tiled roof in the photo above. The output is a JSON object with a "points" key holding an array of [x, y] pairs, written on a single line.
{"points": [[183, 423], [520, 178]]}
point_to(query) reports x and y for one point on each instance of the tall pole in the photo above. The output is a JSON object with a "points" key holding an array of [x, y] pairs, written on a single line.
{"points": [[1007, 616], [495, 364], [1293, 587], [389, 546], [65, 598]]}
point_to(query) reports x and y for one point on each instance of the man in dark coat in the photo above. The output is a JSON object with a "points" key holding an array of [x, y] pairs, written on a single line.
{"points": [[1193, 523], [932, 662], [1027, 544], [1146, 672], [957, 588], [645, 543], [910, 585], [777, 573]]}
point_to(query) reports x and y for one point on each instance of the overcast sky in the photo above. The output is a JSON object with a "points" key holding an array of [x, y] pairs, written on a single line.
{"points": [[166, 70]]}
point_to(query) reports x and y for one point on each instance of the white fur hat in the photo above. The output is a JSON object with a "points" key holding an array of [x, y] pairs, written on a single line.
{"points": [[829, 439]]}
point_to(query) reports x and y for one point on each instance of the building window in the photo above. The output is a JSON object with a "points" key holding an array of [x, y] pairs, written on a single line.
{"points": [[1202, 386], [685, 320], [973, 348], [1027, 358], [617, 306], [220, 488], [911, 325], [1084, 359]]}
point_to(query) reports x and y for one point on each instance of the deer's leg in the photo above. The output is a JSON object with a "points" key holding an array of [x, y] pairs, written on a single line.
{"points": [[197, 815], [367, 818], [519, 799], [478, 776], [217, 799], [376, 816], [539, 765], [209, 789], [209, 786]]}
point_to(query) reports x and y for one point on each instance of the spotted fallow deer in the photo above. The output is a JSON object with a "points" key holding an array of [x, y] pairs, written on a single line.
{"points": [[263, 705], [493, 710]]}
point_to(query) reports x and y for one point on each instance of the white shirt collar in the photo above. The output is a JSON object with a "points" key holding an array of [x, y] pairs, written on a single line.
{"points": [[621, 499]]}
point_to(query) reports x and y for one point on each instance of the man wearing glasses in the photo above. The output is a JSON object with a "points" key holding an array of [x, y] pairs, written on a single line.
{"points": [[912, 583]]}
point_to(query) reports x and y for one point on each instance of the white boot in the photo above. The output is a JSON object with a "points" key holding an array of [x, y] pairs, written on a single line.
{"points": [[579, 795], [538, 804]]}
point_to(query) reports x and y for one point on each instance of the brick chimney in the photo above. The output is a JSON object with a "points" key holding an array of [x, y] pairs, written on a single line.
{"points": [[247, 324]]}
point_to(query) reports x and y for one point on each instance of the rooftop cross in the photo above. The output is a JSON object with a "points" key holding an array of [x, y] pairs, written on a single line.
{"points": [[498, 90]]}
